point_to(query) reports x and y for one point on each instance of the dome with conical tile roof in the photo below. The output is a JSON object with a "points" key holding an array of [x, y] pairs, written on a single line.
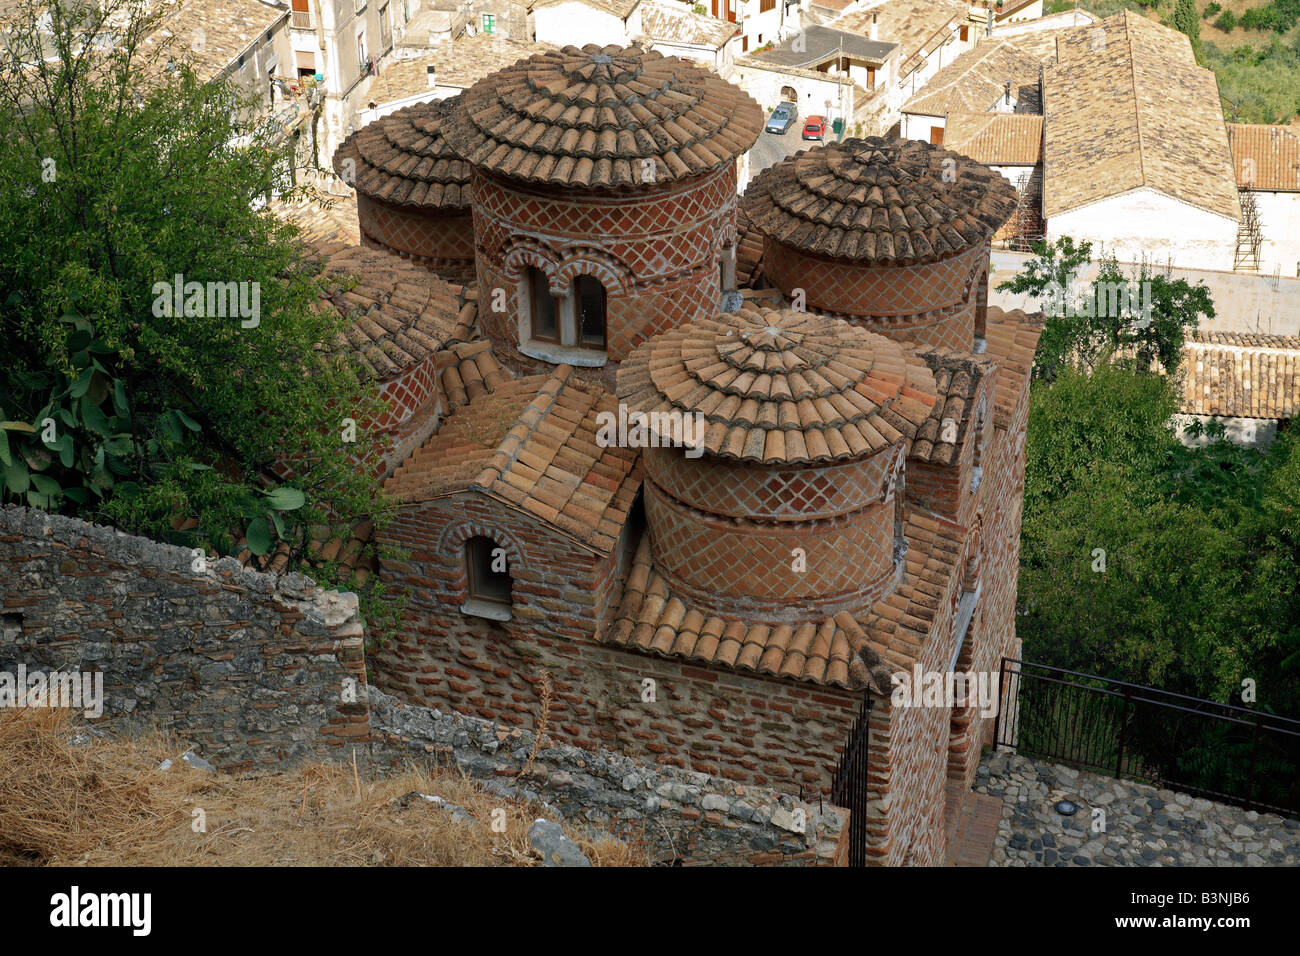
{"points": [[403, 158], [805, 422], [603, 117], [781, 387], [878, 200]]}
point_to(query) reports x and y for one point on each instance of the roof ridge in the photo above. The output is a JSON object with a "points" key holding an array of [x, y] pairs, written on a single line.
{"points": [[515, 439]]}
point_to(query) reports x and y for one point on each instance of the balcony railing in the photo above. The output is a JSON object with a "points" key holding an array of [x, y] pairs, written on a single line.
{"points": [[302, 20]]}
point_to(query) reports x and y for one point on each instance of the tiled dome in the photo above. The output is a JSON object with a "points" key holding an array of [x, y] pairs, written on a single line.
{"points": [[781, 386], [878, 200], [589, 117], [403, 159], [400, 315]]}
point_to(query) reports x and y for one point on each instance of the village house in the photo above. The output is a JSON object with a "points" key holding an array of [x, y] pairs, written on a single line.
{"points": [[849, 510], [1248, 382], [1267, 163], [674, 30], [995, 77]]}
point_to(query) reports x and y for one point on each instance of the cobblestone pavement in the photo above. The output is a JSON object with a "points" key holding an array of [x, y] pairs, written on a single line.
{"points": [[1143, 825]]}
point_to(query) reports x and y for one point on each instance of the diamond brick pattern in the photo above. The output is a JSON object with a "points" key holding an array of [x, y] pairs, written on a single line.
{"points": [[442, 242], [743, 568], [730, 489]]}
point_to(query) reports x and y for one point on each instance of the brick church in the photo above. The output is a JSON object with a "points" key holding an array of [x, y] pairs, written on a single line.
{"points": [[848, 507]]}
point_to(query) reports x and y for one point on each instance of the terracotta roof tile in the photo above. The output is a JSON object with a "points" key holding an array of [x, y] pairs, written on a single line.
{"points": [[1265, 157], [321, 218], [532, 442], [840, 651], [957, 377], [1242, 375], [400, 313], [469, 371], [1012, 339], [1164, 125], [976, 81], [996, 139], [459, 64], [749, 252], [590, 116], [780, 386], [403, 159], [879, 200]]}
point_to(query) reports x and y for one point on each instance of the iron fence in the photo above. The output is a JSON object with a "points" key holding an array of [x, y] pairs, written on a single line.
{"points": [[849, 787], [1201, 747]]}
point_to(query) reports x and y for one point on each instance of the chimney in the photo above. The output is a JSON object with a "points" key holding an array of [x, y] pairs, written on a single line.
{"points": [[430, 72], [1008, 94], [989, 29], [874, 29]]}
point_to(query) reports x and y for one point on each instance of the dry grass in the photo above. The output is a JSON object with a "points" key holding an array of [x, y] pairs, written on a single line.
{"points": [[108, 804]]}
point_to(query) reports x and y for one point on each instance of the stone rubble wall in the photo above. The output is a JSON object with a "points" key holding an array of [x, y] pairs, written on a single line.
{"points": [[250, 667], [679, 816]]}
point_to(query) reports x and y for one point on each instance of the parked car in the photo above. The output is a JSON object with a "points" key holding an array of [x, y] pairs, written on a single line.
{"points": [[814, 127], [782, 118]]}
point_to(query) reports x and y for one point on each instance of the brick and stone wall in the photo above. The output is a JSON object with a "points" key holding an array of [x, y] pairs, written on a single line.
{"points": [[255, 669], [442, 242], [415, 406], [677, 816], [748, 729], [656, 250]]}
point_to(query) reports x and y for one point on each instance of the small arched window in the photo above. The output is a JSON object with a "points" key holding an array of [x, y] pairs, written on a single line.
{"points": [[488, 573], [543, 314]]}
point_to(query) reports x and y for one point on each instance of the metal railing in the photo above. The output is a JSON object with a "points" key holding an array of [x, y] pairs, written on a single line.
{"points": [[849, 787], [1201, 747]]}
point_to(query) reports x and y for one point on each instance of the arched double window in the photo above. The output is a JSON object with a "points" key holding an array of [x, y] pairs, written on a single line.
{"points": [[574, 319]]}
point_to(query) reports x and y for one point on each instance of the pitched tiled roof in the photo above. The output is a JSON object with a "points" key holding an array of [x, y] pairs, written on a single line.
{"points": [[469, 370], [400, 313], [321, 218], [619, 8], [590, 116], [1265, 157], [781, 386], [996, 139], [532, 443], [879, 200], [650, 619], [460, 63], [899, 625], [917, 26], [749, 252], [841, 651], [1012, 339], [976, 80], [957, 377], [1160, 113], [674, 23], [1243, 375], [403, 159], [212, 34]]}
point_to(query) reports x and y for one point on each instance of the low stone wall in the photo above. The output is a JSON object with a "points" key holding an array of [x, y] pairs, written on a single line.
{"points": [[679, 816], [255, 669]]}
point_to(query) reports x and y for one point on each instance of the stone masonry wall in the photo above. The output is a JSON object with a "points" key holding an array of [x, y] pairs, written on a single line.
{"points": [[251, 667], [678, 816]]}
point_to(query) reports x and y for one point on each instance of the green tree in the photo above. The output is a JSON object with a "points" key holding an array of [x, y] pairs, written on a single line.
{"points": [[1051, 274], [121, 172], [1188, 21]]}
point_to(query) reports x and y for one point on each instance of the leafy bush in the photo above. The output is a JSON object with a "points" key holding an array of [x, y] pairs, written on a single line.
{"points": [[1227, 22], [1210, 10], [122, 173]]}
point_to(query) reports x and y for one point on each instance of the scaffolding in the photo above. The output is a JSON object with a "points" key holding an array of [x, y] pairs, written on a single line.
{"points": [[1250, 236]]}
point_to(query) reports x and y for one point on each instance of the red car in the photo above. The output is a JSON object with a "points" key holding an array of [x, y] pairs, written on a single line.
{"points": [[814, 127]]}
